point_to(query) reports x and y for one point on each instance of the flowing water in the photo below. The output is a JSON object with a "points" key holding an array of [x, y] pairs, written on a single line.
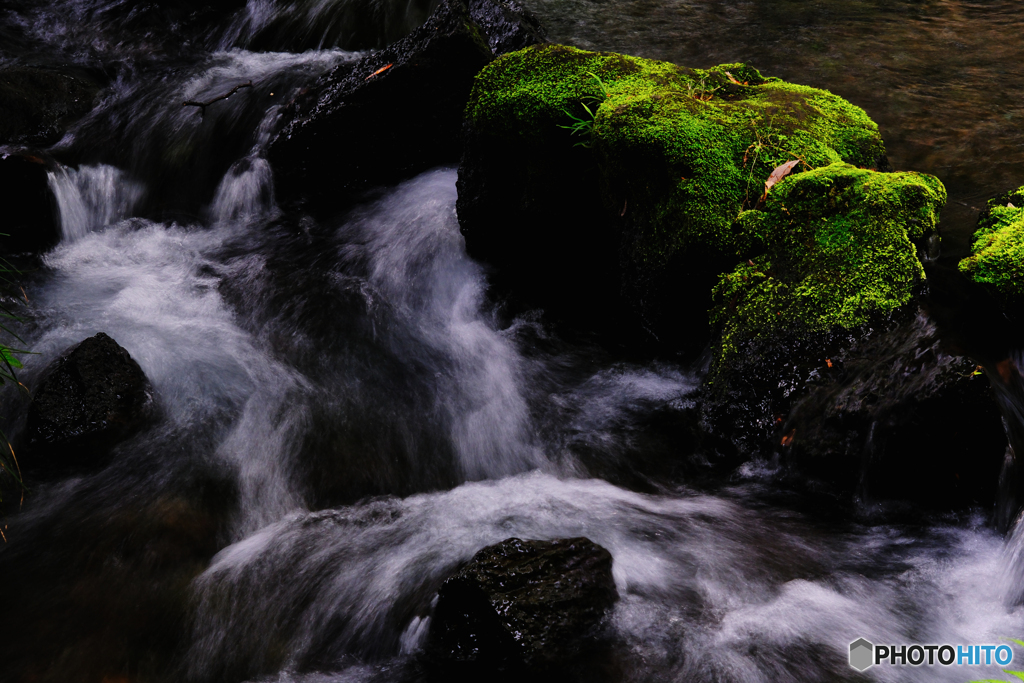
{"points": [[344, 416]]}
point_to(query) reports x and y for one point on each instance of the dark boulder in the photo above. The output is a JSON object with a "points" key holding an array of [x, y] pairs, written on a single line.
{"points": [[594, 182], [905, 410], [29, 215], [90, 398], [36, 105], [523, 606], [886, 412], [386, 117]]}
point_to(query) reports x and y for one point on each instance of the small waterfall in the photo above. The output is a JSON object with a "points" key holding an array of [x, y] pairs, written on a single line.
{"points": [[416, 258], [92, 197], [245, 193], [181, 153], [1008, 385]]}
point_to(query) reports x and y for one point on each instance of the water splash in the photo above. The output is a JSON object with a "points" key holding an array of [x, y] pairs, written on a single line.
{"points": [[711, 590], [152, 288]]}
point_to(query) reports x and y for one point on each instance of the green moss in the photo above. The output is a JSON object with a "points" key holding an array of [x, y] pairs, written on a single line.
{"points": [[839, 253], [684, 149], [997, 255]]}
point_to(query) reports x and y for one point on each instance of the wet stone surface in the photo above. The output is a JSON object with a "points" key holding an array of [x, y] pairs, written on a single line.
{"points": [[91, 397], [536, 605]]}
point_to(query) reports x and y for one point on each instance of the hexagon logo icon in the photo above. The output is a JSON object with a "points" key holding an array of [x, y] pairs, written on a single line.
{"points": [[862, 654]]}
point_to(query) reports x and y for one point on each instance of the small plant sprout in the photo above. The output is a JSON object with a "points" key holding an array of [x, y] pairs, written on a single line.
{"points": [[700, 91], [584, 125]]}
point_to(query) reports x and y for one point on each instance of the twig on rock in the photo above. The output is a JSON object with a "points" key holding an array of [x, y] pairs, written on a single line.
{"points": [[203, 105]]}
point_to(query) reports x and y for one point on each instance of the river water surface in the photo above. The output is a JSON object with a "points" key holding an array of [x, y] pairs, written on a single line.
{"points": [[344, 416]]}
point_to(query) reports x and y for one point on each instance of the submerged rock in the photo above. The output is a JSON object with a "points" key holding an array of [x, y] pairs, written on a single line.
{"points": [[533, 605], [642, 198], [90, 398], [29, 215], [398, 111]]}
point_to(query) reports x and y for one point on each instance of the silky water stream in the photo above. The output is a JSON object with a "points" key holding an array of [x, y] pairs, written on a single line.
{"points": [[344, 417]]}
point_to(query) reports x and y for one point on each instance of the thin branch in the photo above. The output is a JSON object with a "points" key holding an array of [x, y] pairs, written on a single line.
{"points": [[203, 105]]}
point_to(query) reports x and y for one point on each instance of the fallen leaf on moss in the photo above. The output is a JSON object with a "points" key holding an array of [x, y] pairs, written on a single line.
{"points": [[778, 174]]}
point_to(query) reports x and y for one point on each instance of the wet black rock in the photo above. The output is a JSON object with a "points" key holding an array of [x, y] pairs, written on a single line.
{"points": [[523, 606], [90, 398], [36, 104], [886, 412], [906, 410], [395, 113], [508, 25], [29, 209]]}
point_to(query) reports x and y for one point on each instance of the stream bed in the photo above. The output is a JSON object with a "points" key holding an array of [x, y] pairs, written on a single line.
{"points": [[345, 416]]}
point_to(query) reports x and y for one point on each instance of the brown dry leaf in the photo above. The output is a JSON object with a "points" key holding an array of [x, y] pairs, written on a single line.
{"points": [[828, 361], [379, 71], [779, 173], [788, 438]]}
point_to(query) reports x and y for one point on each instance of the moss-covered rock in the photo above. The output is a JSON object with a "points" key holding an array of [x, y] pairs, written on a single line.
{"points": [[840, 265], [997, 255], [839, 253], [674, 156]]}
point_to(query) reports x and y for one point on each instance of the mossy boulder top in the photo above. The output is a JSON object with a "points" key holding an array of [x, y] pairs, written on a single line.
{"points": [[680, 151], [997, 255], [839, 253]]}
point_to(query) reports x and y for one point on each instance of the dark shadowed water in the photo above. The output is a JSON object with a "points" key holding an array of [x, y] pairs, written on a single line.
{"points": [[344, 416]]}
